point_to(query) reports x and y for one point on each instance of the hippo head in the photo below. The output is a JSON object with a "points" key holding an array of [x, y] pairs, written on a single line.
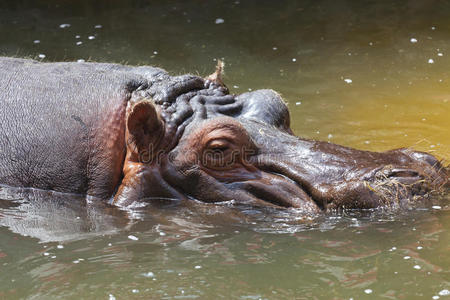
{"points": [[210, 146]]}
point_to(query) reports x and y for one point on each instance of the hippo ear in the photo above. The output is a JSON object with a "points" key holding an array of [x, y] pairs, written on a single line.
{"points": [[144, 127]]}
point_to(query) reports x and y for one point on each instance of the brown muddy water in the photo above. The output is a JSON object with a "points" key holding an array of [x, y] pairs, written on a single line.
{"points": [[367, 74]]}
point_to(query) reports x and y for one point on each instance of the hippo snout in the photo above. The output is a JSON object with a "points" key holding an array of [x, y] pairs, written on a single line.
{"points": [[405, 177], [336, 177], [426, 167]]}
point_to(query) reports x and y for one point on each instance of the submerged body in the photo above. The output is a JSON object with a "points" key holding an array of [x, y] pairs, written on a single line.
{"points": [[127, 134]]}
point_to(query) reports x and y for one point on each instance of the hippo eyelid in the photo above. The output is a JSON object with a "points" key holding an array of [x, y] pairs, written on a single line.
{"points": [[218, 144]]}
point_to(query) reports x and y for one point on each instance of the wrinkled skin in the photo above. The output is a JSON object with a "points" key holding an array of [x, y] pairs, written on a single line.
{"points": [[130, 134]]}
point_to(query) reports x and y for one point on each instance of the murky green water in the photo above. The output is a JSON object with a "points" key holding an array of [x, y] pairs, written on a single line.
{"points": [[370, 75]]}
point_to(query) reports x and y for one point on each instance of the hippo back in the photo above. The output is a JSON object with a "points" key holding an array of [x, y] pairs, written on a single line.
{"points": [[62, 124]]}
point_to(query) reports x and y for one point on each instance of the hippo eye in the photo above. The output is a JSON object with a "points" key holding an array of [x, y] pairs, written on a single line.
{"points": [[221, 144], [219, 154], [218, 145]]}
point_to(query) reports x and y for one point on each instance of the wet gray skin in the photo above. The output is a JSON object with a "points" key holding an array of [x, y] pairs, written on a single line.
{"points": [[130, 134]]}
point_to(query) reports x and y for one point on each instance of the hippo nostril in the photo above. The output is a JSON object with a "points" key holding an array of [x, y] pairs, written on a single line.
{"points": [[428, 158], [403, 173], [424, 158]]}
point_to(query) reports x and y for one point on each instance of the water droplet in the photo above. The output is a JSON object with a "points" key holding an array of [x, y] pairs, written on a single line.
{"points": [[132, 237], [220, 21], [148, 274]]}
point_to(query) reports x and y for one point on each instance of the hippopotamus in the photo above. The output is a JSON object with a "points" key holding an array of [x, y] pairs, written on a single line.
{"points": [[129, 134]]}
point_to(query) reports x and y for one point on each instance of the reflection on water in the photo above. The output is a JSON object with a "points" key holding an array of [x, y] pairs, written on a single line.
{"points": [[51, 216], [371, 75], [57, 245]]}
